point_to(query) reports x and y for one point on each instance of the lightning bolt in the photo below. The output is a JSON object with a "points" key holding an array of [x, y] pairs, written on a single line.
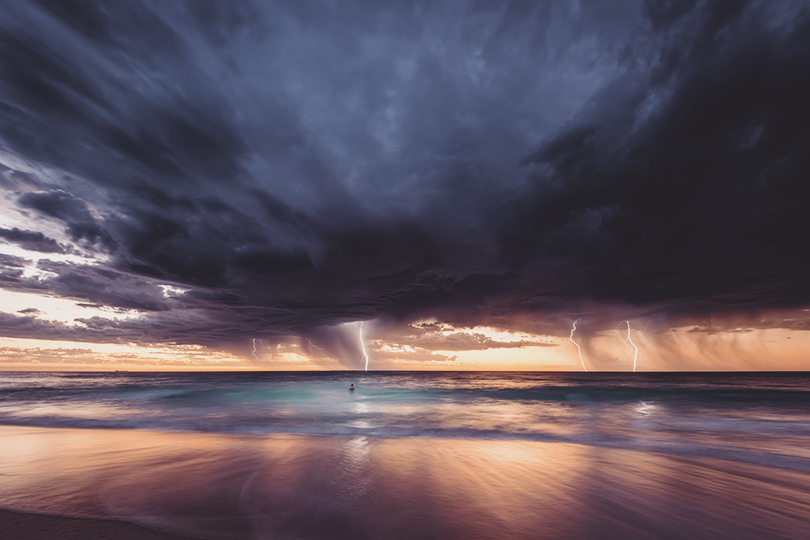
{"points": [[310, 342], [579, 351], [254, 350], [635, 353], [363, 345]]}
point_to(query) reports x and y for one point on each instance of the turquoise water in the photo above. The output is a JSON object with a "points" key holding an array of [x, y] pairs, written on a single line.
{"points": [[756, 417]]}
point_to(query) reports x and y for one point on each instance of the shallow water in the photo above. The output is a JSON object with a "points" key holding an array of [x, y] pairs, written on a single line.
{"points": [[755, 417], [414, 455], [292, 486]]}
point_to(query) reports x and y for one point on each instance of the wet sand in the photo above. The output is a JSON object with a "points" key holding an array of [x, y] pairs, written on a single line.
{"points": [[246, 487], [22, 526]]}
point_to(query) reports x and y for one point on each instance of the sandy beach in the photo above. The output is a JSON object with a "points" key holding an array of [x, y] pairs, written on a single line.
{"points": [[25, 526], [246, 487]]}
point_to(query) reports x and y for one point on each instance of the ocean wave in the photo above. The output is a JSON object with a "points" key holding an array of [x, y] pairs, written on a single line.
{"points": [[762, 419]]}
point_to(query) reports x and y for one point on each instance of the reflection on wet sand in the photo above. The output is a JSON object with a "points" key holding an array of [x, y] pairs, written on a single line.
{"points": [[364, 488]]}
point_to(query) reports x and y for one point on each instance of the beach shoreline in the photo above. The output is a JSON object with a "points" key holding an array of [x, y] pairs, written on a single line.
{"points": [[135, 484]]}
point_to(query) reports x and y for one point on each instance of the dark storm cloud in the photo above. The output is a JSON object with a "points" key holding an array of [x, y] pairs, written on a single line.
{"points": [[11, 270], [294, 166], [30, 326], [704, 199], [34, 241], [59, 204]]}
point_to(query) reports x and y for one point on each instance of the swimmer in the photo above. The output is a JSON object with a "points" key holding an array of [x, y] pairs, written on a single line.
{"points": [[351, 389]]}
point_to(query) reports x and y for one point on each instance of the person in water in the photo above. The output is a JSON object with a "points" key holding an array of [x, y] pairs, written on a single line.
{"points": [[351, 389]]}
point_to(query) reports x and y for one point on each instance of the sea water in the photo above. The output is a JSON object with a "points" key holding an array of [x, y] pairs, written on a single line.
{"points": [[414, 455], [758, 417]]}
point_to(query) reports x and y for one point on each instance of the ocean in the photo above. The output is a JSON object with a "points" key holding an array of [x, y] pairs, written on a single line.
{"points": [[414, 454]]}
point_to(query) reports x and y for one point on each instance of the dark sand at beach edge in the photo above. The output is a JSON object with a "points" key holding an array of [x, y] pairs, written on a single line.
{"points": [[24, 526]]}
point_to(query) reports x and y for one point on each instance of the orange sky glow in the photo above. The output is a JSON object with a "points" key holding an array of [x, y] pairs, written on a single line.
{"points": [[677, 350]]}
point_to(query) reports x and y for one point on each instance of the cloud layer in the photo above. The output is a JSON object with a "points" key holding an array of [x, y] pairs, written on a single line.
{"points": [[285, 167]]}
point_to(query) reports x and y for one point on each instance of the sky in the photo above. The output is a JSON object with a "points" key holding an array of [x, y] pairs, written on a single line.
{"points": [[418, 185]]}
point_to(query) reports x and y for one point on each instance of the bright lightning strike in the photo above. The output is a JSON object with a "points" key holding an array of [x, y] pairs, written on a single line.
{"points": [[254, 350], [635, 353], [579, 351], [363, 345]]}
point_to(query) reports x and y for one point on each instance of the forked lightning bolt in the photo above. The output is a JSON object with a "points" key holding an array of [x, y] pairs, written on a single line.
{"points": [[579, 351], [254, 349], [363, 346], [635, 353]]}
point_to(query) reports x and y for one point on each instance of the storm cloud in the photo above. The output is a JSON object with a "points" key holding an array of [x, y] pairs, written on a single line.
{"points": [[286, 167]]}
